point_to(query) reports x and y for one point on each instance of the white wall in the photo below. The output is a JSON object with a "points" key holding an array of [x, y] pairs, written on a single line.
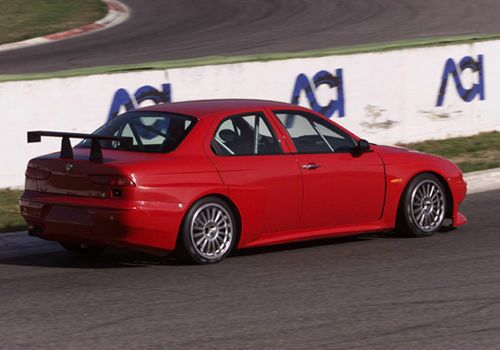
{"points": [[389, 97]]}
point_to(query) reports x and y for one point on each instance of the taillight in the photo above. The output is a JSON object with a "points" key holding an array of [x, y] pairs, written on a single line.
{"points": [[37, 174], [111, 180]]}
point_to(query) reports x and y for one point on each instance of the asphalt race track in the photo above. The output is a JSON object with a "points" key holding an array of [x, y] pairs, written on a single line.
{"points": [[371, 292], [177, 29]]}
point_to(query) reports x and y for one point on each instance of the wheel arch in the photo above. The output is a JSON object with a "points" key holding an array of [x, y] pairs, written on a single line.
{"points": [[444, 183], [449, 195], [231, 205]]}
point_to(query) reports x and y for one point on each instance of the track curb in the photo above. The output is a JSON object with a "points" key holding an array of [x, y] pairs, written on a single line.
{"points": [[117, 14]]}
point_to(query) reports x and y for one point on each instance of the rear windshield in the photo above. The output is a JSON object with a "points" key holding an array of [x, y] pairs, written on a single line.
{"points": [[151, 131]]}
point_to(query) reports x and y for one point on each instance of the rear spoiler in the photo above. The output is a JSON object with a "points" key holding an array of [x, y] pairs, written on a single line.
{"points": [[67, 150]]}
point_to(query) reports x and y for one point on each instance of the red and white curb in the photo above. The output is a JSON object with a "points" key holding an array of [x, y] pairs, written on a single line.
{"points": [[117, 13]]}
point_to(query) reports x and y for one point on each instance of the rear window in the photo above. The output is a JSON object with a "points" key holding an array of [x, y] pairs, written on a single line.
{"points": [[154, 132]]}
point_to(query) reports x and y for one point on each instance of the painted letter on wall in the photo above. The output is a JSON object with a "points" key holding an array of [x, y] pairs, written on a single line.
{"points": [[451, 68], [122, 98], [323, 77]]}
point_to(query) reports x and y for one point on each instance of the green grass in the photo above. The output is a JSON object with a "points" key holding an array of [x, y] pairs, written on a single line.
{"points": [[472, 153], [217, 60], [10, 218], [24, 19]]}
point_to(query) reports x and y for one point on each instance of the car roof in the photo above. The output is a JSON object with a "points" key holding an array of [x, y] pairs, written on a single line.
{"points": [[204, 108]]}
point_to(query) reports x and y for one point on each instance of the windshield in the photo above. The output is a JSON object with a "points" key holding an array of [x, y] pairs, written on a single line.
{"points": [[150, 131]]}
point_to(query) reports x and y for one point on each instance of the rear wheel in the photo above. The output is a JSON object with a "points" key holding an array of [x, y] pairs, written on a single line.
{"points": [[208, 232], [423, 207], [83, 249]]}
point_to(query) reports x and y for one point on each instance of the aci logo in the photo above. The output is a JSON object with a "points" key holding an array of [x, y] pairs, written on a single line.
{"points": [[451, 68], [122, 98], [323, 77]]}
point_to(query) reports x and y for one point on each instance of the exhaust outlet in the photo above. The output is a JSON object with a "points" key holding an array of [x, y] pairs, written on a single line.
{"points": [[35, 231]]}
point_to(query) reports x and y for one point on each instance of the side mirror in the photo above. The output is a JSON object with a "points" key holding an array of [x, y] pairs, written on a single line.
{"points": [[363, 146]]}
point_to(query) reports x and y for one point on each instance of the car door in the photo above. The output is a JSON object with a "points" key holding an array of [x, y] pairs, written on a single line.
{"points": [[340, 187], [264, 180]]}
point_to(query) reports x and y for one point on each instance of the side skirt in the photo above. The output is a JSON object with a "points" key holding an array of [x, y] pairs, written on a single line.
{"points": [[305, 235]]}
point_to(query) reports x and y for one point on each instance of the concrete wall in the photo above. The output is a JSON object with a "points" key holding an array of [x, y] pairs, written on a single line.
{"points": [[386, 97]]}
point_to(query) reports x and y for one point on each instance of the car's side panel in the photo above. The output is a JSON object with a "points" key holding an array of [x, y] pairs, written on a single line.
{"points": [[339, 188], [169, 200], [401, 167], [266, 189], [344, 190]]}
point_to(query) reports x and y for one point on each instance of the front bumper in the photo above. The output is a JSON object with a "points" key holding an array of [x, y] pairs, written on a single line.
{"points": [[149, 226], [458, 189]]}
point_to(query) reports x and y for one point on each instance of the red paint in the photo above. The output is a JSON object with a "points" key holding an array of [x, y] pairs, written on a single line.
{"points": [[75, 31], [277, 200]]}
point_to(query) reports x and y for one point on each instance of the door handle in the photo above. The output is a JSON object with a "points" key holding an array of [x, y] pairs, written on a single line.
{"points": [[310, 166]]}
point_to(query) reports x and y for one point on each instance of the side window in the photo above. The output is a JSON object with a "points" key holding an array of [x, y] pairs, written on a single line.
{"points": [[336, 138], [311, 134], [244, 135]]}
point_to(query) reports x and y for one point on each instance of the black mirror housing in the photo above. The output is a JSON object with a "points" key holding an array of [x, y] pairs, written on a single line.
{"points": [[363, 146]]}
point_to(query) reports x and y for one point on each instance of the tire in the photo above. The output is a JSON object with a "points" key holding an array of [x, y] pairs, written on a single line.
{"points": [[208, 232], [83, 249], [423, 207]]}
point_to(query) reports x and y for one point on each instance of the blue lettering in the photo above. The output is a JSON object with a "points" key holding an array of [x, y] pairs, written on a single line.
{"points": [[122, 98], [450, 68], [323, 77]]}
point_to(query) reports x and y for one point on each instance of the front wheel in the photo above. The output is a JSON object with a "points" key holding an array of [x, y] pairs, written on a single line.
{"points": [[208, 232], [423, 207]]}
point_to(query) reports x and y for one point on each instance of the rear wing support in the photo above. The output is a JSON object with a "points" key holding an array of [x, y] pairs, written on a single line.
{"points": [[67, 150]]}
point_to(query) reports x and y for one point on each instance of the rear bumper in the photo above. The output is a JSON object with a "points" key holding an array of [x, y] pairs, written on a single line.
{"points": [[149, 226]]}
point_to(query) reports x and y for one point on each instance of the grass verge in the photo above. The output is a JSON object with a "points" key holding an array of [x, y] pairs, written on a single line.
{"points": [[473, 153], [25, 19], [10, 219]]}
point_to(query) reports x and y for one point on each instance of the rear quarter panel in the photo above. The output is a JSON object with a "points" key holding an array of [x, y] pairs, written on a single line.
{"points": [[169, 185]]}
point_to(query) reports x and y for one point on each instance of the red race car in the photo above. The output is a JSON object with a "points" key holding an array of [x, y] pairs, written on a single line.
{"points": [[202, 178]]}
